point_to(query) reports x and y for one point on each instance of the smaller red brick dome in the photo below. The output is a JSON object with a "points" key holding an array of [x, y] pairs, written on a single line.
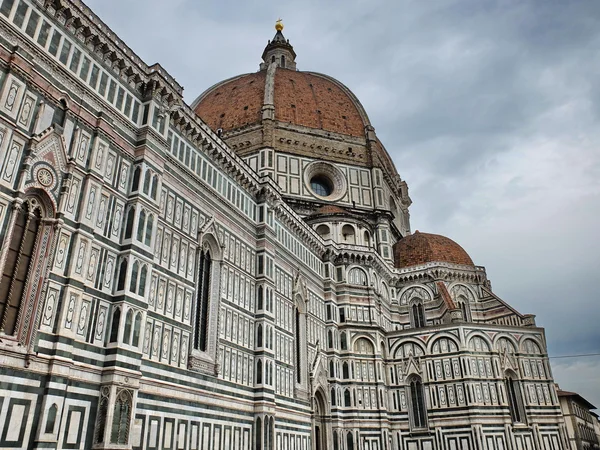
{"points": [[421, 248]]}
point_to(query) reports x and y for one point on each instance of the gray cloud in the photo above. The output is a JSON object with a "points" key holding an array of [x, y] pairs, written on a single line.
{"points": [[489, 109]]}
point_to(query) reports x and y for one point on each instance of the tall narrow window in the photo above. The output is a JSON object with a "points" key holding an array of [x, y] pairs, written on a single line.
{"points": [[128, 325], [259, 372], [259, 336], [258, 434], [135, 341], [122, 275], [121, 419], [347, 399], [418, 315], [417, 403], [14, 275], [335, 441], [147, 179], [345, 371], [51, 419], [298, 348], [259, 298], [333, 402], [149, 229], [154, 186], [141, 226], [349, 441], [114, 328], [142, 284], [101, 420], [136, 179], [203, 291], [129, 222], [134, 277], [514, 399]]}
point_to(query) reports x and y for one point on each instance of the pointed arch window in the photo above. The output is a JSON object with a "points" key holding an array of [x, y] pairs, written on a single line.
{"points": [[417, 403], [515, 399], [154, 186], [259, 298], [134, 277], [142, 284], [114, 328], [122, 275], [121, 419], [129, 223], [141, 226], [259, 372], [259, 336], [258, 434], [128, 325], [202, 304], [149, 229], [147, 179], [137, 326], [333, 402], [136, 179], [349, 441], [418, 315], [347, 398], [51, 419], [345, 371], [20, 256]]}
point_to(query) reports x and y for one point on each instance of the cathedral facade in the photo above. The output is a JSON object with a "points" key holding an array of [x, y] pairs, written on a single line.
{"points": [[239, 273]]}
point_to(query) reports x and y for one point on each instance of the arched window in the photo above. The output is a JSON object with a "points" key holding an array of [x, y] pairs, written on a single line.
{"points": [[345, 371], [121, 418], [122, 275], [154, 186], [333, 396], [259, 298], [349, 441], [515, 399], [142, 283], [283, 61], [357, 276], [136, 179], [349, 234], [259, 372], [273, 58], [335, 441], [323, 231], [347, 399], [128, 325], [259, 336], [258, 434], [271, 338], [137, 326], [134, 277], [17, 266], [462, 304], [417, 403], [367, 239], [343, 341], [101, 420], [418, 315], [202, 295], [329, 339], [129, 222], [147, 178], [51, 419], [141, 226], [149, 228], [114, 328], [331, 368]]}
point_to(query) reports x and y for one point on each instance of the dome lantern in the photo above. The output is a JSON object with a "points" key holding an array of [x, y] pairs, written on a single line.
{"points": [[279, 51]]}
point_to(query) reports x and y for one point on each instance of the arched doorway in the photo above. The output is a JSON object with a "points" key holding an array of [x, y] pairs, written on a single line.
{"points": [[319, 424]]}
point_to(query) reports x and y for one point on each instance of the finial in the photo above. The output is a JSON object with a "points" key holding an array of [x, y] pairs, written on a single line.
{"points": [[279, 25]]}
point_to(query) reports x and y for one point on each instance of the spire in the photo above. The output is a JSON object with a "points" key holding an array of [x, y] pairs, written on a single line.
{"points": [[279, 51]]}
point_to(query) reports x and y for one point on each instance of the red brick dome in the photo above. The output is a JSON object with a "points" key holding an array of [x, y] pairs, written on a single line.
{"points": [[420, 248], [299, 98]]}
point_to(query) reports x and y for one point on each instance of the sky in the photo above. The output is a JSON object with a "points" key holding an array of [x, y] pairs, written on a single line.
{"points": [[489, 109]]}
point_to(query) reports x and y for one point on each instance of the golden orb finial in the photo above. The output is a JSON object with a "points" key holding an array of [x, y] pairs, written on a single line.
{"points": [[279, 25]]}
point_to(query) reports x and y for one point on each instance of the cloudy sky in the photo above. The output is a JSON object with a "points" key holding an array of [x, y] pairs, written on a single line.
{"points": [[490, 110]]}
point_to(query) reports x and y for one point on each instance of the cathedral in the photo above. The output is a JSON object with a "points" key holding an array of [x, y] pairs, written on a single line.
{"points": [[239, 273]]}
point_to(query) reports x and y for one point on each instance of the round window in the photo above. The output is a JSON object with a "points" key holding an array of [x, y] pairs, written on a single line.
{"points": [[321, 185]]}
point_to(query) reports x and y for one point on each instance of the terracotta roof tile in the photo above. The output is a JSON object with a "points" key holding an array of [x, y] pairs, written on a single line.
{"points": [[421, 248]]}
